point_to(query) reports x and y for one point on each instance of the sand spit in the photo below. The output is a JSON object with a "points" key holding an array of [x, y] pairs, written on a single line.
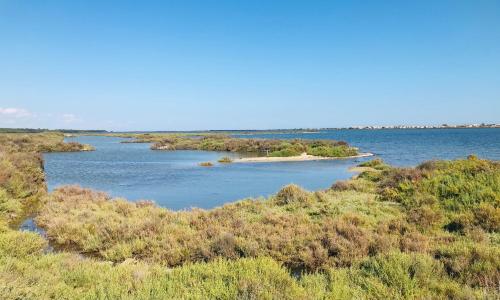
{"points": [[302, 157]]}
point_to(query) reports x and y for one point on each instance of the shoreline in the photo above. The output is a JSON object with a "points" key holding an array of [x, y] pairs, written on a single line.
{"points": [[303, 157]]}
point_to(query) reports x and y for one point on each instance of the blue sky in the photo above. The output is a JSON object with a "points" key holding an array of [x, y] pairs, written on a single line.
{"points": [[184, 65]]}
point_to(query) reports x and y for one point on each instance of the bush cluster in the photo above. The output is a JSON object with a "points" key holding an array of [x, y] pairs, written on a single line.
{"points": [[430, 232], [271, 147]]}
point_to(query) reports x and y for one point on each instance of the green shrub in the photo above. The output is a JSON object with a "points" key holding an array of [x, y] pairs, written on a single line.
{"points": [[332, 151], [291, 194], [487, 216], [10, 209], [392, 275], [377, 164], [470, 187], [359, 185], [225, 160], [21, 244], [271, 147], [63, 276], [434, 235], [471, 263], [285, 153]]}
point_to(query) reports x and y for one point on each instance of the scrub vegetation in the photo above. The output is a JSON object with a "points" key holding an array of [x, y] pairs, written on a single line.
{"points": [[389, 233], [225, 160], [265, 147], [22, 181]]}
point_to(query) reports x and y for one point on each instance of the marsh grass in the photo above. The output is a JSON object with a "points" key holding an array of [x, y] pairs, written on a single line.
{"points": [[429, 232]]}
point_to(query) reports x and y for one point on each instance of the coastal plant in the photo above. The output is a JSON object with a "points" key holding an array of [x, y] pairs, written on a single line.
{"points": [[270, 147], [429, 232], [114, 229], [463, 187], [225, 160], [332, 151], [291, 194], [308, 231], [377, 164]]}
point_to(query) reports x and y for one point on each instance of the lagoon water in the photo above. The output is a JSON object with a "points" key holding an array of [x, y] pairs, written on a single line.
{"points": [[174, 179], [409, 147]]}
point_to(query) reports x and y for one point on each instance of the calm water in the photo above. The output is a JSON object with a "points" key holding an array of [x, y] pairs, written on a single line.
{"points": [[174, 179], [412, 146]]}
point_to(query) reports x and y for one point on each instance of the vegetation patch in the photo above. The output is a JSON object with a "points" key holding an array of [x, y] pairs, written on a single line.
{"points": [[430, 232], [225, 160], [268, 147]]}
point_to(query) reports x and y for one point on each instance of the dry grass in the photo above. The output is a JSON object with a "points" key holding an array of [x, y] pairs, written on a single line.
{"points": [[423, 233]]}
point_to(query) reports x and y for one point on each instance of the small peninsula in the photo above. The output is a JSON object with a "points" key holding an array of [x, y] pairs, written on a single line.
{"points": [[302, 157], [263, 149]]}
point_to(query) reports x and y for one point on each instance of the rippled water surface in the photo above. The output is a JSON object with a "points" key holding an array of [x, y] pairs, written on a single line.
{"points": [[174, 179], [410, 147]]}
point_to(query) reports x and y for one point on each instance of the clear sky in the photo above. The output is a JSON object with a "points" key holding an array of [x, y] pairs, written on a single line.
{"points": [[184, 65]]}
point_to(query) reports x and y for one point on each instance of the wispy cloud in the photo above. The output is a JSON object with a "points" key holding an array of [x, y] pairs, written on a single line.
{"points": [[21, 117], [70, 118], [13, 112]]}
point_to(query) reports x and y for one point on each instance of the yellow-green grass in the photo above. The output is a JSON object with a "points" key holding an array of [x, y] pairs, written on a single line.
{"points": [[429, 232]]}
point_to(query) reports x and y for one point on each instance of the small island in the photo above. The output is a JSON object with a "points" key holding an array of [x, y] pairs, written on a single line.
{"points": [[253, 150]]}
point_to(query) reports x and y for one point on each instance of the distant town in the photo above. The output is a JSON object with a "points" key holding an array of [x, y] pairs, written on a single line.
{"points": [[243, 131], [482, 125]]}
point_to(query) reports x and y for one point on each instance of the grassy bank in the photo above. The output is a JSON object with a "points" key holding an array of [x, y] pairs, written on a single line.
{"points": [[22, 181], [375, 221], [390, 233]]}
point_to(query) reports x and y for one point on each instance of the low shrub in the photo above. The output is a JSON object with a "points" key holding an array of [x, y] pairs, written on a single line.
{"points": [[65, 276], [225, 160], [466, 192], [487, 216], [473, 264], [332, 151], [377, 164], [270, 147], [291, 194], [21, 244], [359, 185], [427, 232], [285, 153], [288, 227]]}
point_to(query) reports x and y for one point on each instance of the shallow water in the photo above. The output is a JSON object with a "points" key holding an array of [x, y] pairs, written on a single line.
{"points": [[173, 179]]}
